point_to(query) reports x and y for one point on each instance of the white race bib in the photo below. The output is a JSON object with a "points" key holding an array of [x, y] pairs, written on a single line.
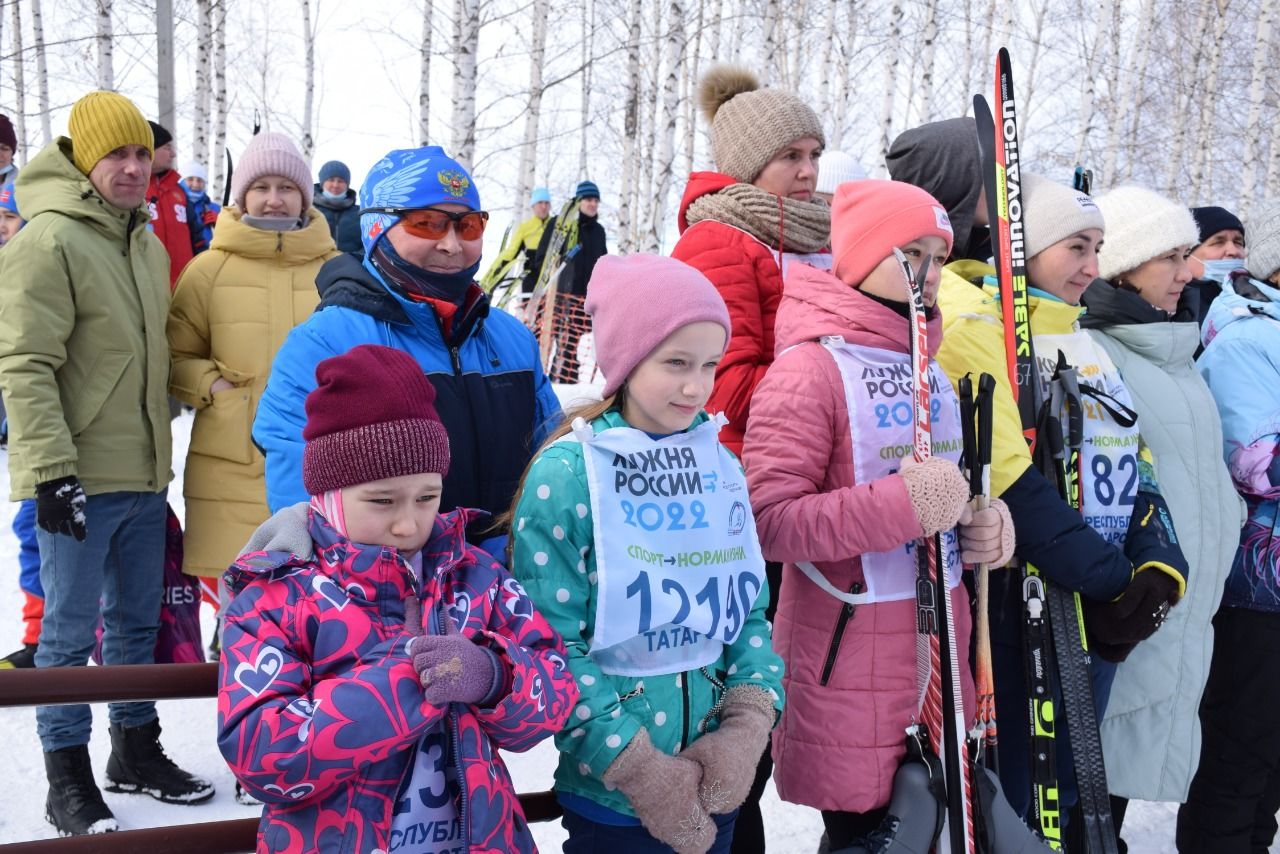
{"points": [[425, 818], [877, 391], [1109, 453], [677, 560]]}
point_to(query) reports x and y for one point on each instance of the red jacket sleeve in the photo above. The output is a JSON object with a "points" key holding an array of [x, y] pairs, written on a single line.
{"points": [[747, 277]]}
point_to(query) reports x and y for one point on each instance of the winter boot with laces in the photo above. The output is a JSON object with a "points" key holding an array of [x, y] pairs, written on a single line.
{"points": [[138, 765], [74, 806]]}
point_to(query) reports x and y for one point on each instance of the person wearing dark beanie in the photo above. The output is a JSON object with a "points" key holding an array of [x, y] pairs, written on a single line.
{"points": [[401, 618], [8, 148], [1220, 251]]}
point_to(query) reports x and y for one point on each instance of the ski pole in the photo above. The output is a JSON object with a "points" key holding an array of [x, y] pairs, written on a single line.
{"points": [[941, 709]]}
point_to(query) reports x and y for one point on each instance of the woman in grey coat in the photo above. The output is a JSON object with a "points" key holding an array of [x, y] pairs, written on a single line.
{"points": [[1139, 312]]}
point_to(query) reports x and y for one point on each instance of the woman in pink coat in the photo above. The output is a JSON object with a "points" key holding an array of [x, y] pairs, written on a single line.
{"points": [[832, 487]]}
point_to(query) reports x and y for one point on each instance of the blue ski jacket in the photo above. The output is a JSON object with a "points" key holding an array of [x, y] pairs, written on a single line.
{"points": [[1241, 337], [491, 393]]}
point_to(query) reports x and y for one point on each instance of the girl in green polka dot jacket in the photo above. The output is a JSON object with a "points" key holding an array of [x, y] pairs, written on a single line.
{"points": [[633, 535]]}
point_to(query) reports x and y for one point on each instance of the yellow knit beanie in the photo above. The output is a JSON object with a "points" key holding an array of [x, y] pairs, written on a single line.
{"points": [[100, 123]]}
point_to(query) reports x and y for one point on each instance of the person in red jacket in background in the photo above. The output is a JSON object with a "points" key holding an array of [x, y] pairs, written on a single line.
{"points": [[173, 219]]}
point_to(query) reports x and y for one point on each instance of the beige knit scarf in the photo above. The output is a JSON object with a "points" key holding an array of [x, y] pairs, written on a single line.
{"points": [[777, 222]]}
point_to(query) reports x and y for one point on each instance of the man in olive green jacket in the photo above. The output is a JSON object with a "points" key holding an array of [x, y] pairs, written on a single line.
{"points": [[84, 368]]}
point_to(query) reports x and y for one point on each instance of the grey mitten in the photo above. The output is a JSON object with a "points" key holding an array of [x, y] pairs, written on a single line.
{"points": [[729, 755], [663, 791]]}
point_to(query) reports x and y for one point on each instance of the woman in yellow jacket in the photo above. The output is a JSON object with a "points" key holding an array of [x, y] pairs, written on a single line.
{"points": [[232, 309]]}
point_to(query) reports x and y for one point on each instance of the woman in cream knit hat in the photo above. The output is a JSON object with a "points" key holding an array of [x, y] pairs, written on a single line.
{"points": [[742, 226]]}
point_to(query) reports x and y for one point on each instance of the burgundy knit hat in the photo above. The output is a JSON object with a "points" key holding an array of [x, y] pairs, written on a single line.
{"points": [[371, 416], [636, 301]]}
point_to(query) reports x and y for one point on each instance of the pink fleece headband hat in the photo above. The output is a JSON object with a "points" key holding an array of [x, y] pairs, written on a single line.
{"points": [[637, 301], [869, 218], [271, 154]]}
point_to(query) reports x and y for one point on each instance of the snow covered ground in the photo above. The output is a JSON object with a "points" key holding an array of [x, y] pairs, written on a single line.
{"points": [[189, 728]]}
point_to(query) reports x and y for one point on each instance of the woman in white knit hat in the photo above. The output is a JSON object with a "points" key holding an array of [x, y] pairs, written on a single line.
{"points": [[1141, 313], [834, 169], [1113, 550], [1235, 795], [232, 309]]}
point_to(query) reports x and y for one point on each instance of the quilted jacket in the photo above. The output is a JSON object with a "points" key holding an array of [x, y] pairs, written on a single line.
{"points": [[320, 709]]}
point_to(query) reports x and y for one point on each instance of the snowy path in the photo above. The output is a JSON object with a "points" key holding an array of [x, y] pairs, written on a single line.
{"points": [[189, 728]]}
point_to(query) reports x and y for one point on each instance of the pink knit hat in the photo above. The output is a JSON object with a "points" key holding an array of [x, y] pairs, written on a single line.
{"points": [[270, 154], [636, 301], [371, 416], [869, 218]]}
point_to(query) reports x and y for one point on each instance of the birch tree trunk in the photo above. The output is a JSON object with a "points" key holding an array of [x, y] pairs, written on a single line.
{"points": [[219, 93], [1136, 95], [42, 73], [649, 129], [164, 63], [927, 51], [967, 90], [1026, 90], [630, 130], [106, 73], [588, 35], [1123, 100], [204, 81], [1257, 94], [688, 80], [466, 40], [529, 150], [1187, 83], [890, 82], [1202, 173], [1272, 184], [772, 14], [19, 84], [1089, 91], [825, 71], [674, 60], [840, 113], [424, 75], [717, 22], [309, 76]]}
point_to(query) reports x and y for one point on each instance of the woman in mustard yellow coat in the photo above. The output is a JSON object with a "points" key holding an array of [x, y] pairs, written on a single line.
{"points": [[231, 311]]}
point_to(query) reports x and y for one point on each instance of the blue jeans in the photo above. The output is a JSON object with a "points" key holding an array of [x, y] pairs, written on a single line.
{"points": [[116, 573], [591, 837]]}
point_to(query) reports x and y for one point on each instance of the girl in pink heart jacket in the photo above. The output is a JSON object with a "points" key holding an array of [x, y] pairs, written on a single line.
{"points": [[373, 662], [830, 426]]}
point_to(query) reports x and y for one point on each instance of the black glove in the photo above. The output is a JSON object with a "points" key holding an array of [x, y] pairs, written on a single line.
{"points": [[1115, 628], [60, 506], [1151, 537]]}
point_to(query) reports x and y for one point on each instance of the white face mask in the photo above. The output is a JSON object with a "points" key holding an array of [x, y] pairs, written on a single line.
{"points": [[1219, 269]]}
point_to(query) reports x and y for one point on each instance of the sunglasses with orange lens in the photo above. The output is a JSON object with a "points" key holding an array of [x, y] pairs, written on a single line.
{"points": [[433, 224]]}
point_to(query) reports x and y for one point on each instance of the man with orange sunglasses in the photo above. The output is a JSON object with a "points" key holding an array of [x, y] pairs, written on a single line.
{"points": [[422, 227]]}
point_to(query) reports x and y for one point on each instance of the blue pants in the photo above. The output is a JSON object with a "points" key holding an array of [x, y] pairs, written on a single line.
{"points": [[118, 572], [591, 837], [24, 528]]}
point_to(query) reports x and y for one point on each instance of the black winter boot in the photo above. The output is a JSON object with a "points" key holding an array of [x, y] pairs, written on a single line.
{"points": [[138, 766], [20, 659], [74, 806]]}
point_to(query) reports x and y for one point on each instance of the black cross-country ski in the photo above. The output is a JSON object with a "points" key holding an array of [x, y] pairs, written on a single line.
{"points": [[1067, 653]]}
